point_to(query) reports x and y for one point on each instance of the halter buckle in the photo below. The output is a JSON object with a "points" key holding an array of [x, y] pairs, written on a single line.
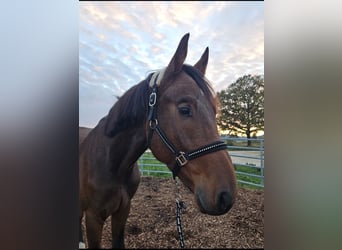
{"points": [[153, 99], [181, 159]]}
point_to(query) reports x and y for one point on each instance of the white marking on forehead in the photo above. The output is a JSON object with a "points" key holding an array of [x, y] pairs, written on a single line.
{"points": [[157, 77]]}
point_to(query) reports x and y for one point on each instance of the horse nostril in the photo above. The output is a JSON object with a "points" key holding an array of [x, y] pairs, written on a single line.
{"points": [[224, 202]]}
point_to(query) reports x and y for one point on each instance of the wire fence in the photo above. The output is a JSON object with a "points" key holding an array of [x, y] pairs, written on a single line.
{"points": [[248, 160]]}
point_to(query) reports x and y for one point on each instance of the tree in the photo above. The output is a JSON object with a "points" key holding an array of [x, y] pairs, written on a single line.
{"points": [[242, 106]]}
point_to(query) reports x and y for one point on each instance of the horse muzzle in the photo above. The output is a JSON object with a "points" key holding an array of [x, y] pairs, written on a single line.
{"points": [[221, 204]]}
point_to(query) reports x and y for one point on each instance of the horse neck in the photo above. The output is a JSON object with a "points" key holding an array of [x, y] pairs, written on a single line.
{"points": [[124, 148], [131, 144]]}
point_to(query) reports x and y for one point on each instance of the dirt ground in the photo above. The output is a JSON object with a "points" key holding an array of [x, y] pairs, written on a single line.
{"points": [[152, 220]]}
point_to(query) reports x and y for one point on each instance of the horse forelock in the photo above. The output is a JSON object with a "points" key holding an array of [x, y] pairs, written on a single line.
{"points": [[156, 77]]}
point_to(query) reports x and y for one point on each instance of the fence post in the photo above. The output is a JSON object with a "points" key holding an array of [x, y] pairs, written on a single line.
{"points": [[262, 161]]}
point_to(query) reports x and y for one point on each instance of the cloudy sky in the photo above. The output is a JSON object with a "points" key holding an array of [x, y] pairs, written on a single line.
{"points": [[120, 42]]}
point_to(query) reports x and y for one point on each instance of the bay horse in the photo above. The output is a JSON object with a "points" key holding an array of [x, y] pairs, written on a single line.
{"points": [[172, 112]]}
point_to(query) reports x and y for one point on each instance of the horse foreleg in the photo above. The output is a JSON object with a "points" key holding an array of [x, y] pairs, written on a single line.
{"points": [[94, 226], [118, 226], [81, 244]]}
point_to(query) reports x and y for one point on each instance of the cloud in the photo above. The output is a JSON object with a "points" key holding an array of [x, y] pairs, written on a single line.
{"points": [[120, 42]]}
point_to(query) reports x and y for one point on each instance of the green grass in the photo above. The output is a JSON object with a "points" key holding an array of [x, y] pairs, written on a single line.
{"points": [[150, 163], [243, 177]]}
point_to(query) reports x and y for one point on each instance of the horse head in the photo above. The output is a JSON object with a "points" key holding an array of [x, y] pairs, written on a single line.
{"points": [[184, 117]]}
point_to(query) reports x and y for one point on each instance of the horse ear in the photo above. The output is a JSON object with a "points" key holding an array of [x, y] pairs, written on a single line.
{"points": [[176, 63], [201, 65]]}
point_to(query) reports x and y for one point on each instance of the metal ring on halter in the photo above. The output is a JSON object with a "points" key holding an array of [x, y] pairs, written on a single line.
{"points": [[153, 124]]}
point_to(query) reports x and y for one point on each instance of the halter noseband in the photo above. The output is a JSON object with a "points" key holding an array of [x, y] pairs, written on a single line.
{"points": [[182, 158]]}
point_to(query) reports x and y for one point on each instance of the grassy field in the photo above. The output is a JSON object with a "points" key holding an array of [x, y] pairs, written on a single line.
{"points": [[152, 167]]}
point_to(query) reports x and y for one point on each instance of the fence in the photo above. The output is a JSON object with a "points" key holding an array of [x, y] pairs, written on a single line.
{"points": [[248, 161]]}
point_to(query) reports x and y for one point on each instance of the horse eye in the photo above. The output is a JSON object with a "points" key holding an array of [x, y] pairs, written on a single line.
{"points": [[185, 111]]}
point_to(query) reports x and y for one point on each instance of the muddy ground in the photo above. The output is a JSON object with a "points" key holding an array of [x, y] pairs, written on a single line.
{"points": [[152, 220]]}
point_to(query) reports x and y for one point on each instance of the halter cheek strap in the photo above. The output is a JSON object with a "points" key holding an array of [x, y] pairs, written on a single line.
{"points": [[181, 158]]}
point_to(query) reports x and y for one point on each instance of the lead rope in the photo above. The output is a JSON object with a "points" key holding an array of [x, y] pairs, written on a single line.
{"points": [[180, 205]]}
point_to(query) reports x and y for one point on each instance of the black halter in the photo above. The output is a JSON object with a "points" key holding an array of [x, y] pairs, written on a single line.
{"points": [[182, 158]]}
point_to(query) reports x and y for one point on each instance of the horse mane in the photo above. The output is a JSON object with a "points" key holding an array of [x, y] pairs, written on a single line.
{"points": [[131, 109]]}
